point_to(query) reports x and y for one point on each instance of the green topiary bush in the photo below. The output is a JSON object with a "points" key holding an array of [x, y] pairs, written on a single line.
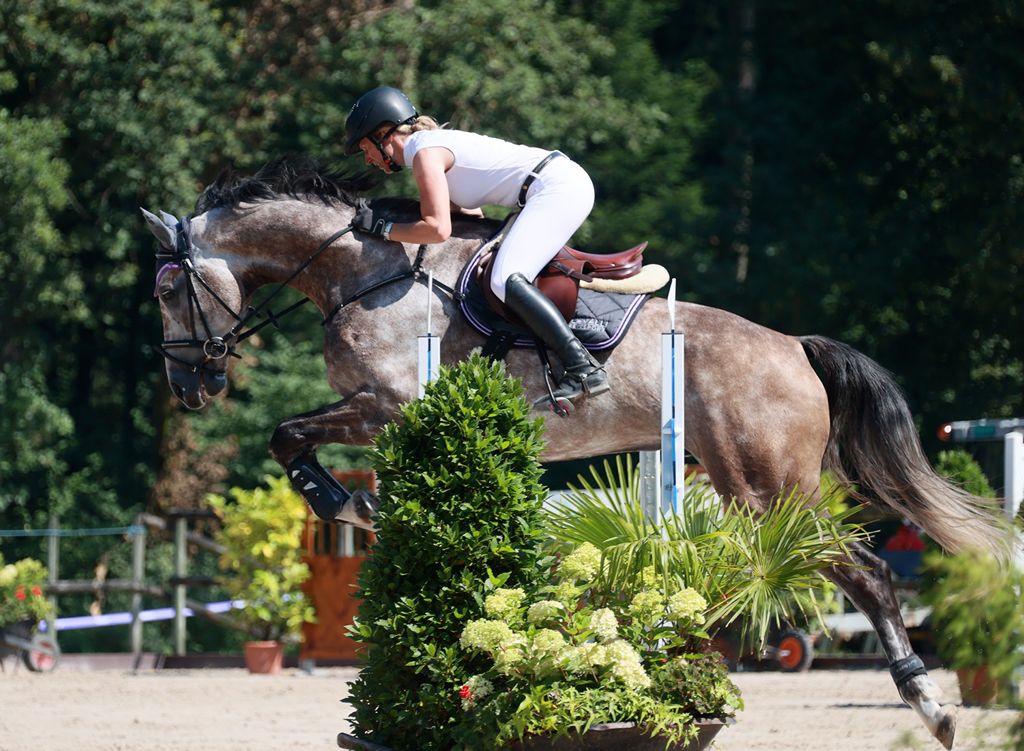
{"points": [[460, 515]]}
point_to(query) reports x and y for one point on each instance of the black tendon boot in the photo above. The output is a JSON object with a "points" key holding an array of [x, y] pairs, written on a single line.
{"points": [[583, 374]]}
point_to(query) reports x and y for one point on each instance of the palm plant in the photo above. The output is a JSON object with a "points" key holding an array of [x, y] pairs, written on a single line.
{"points": [[763, 568]]}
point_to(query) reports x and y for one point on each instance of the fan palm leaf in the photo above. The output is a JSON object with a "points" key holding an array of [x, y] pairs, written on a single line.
{"points": [[755, 569]]}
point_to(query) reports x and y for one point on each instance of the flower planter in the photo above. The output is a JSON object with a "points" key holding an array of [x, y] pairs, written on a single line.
{"points": [[612, 736], [977, 687], [264, 657]]}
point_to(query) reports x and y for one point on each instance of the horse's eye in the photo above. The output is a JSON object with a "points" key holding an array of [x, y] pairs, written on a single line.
{"points": [[167, 292]]}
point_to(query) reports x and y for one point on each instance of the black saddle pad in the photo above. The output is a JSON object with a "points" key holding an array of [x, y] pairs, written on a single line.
{"points": [[600, 322]]}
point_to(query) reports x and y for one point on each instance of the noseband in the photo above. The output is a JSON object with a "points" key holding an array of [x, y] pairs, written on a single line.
{"points": [[213, 347]]}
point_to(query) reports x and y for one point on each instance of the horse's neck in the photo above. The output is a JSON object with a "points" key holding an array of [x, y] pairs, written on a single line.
{"points": [[269, 243]]}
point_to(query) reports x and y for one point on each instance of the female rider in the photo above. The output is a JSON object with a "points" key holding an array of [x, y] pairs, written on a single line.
{"points": [[457, 170]]}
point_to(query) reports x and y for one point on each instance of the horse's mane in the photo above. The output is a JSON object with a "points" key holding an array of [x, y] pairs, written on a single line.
{"points": [[299, 177], [306, 179]]}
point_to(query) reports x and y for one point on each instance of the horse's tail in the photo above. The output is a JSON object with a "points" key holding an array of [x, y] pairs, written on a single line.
{"points": [[873, 442]]}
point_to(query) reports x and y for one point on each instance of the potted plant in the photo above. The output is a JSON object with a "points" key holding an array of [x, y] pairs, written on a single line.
{"points": [[486, 625], [977, 621], [261, 531], [23, 605], [977, 614], [22, 602], [577, 664]]}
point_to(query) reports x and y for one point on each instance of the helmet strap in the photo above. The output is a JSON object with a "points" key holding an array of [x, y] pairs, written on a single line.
{"points": [[388, 159], [379, 143]]}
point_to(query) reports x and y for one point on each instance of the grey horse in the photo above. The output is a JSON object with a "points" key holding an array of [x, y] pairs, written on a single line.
{"points": [[759, 417]]}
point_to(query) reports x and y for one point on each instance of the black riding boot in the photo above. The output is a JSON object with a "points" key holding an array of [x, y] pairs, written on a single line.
{"points": [[583, 374]]}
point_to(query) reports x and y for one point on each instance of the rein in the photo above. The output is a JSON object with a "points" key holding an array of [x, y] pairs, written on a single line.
{"points": [[416, 273], [218, 347]]}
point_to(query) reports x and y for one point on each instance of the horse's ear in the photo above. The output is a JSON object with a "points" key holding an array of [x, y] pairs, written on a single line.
{"points": [[167, 236], [169, 219]]}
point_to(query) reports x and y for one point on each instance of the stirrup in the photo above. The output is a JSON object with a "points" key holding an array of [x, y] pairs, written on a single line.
{"points": [[574, 385]]}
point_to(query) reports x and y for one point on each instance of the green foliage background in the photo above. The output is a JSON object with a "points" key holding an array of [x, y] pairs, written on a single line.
{"points": [[850, 170]]}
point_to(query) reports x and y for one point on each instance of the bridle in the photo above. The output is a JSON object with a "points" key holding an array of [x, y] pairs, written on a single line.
{"points": [[217, 347]]}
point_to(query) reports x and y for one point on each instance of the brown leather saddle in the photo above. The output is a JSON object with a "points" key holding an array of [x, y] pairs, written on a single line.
{"points": [[560, 279]]}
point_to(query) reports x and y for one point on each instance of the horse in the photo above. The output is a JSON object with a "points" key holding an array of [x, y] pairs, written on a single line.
{"points": [[764, 411]]}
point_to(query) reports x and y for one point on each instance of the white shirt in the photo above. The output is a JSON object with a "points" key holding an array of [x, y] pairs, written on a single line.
{"points": [[486, 170]]}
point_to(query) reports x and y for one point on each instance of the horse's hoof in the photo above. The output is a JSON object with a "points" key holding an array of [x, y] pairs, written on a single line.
{"points": [[360, 511], [945, 729]]}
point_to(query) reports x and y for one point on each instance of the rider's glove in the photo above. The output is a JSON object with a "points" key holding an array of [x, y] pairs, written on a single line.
{"points": [[369, 221]]}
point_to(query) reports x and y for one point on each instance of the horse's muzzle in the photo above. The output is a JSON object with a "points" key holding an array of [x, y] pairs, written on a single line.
{"points": [[193, 389]]}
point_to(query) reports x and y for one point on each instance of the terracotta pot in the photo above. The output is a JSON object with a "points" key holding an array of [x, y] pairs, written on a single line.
{"points": [[617, 736], [264, 657], [977, 687]]}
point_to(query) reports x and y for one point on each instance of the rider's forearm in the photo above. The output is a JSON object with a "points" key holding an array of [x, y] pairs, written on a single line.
{"points": [[424, 232]]}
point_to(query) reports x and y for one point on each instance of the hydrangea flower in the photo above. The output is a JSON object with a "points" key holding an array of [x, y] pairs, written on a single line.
{"points": [[648, 607], [604, 624], [509, 658], [545, 610], [582, 564], [687, 604], [548, 641], [649, 577], [486, 635], [584, 658], [503, 604], [567, 593], [7, 574], [626, 666]]}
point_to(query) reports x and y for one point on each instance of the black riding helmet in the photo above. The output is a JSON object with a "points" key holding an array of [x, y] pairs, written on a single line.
{"points": [[377, 107]]}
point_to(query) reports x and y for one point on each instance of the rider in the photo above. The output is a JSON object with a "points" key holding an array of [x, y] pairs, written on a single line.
{"points": [[455, 169]]}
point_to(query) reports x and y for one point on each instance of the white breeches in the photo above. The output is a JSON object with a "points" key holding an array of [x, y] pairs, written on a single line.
{"points": [[557, 203]]}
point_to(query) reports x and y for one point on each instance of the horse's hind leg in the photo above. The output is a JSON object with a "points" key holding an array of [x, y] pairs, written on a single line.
{"points": [[294, 443], [870, 589]]}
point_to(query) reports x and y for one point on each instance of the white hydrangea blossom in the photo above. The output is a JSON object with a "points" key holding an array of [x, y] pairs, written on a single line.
{"points": [[648, 607], [626, 665], [548, 641], [604, 624], [8, 574], [503, 604], [687, 604], [485, 634], [582, 564], [545, 610]]}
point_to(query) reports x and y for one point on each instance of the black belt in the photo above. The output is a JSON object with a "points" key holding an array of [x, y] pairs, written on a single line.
{"points": [[533, 176]]}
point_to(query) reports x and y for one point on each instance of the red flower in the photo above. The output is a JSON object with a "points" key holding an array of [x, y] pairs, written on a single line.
{"points": [[36, 591], [19, 593], [465, 692]]}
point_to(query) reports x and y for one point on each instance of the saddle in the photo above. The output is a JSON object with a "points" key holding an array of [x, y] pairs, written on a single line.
{"points": [[561, 278]]}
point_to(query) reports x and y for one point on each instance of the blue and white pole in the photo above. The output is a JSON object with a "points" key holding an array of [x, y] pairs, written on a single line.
{"points": [[429, 346], [673, 456]]}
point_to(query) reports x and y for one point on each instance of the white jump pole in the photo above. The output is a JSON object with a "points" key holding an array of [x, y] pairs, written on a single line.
{"points": [[429, 348], [1013, 472], [673, 456]]}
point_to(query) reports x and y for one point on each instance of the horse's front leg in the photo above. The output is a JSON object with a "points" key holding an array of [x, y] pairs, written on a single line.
{"points": [[870, 589], [351, 421]]}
